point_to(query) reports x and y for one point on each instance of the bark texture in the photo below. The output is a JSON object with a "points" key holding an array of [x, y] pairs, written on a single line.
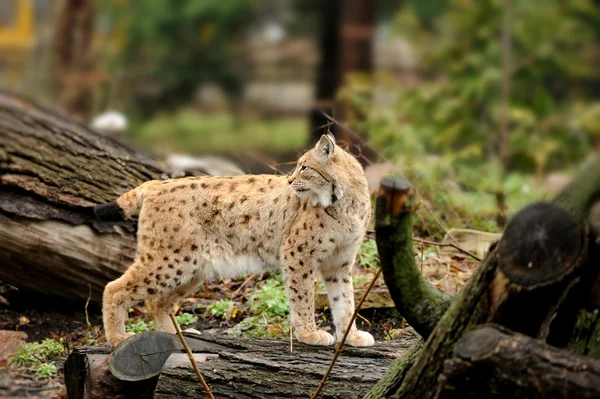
{"points": [[239, 368], [53, 171], [493, 363], [420, 303]]}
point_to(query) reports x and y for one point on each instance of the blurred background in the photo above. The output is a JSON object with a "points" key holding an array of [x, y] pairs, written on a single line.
{"points": [[484, 104]]}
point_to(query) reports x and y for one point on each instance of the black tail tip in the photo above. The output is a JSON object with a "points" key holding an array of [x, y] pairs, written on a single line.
{"points": [[110, 212]]}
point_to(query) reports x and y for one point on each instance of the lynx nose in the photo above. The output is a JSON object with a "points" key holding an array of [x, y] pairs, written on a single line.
{"points": [[290, 180]]}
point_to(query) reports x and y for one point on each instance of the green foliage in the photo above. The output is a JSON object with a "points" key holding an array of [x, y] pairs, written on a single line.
{"points": [[368, 256], [268, 310], [186, 319], [220, 308], [195, 132], [90, 339], [136, 327], [175, 46], [269, 300], [458, 112], [44, 369], [37, 352], [455, 111]]}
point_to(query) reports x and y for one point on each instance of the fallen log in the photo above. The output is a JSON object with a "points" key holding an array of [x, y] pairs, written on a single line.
{"points": [[491, 362], [53, 171], [236, 368], [536, 281]]}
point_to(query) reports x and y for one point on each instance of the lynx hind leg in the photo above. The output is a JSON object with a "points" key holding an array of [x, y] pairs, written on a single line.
{"points": [[119, 295], [338, 283], [162, 305]]}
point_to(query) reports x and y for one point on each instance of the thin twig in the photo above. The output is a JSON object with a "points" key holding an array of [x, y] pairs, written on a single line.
{"points": [[291, 338], [341, 344], [439, 223], [189, 353], [365, 320], [448, 244], [87, 319], [250, 278], [357, 136]]}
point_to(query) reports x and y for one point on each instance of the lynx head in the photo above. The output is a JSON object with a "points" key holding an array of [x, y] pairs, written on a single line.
{"points": [[322, 174]]}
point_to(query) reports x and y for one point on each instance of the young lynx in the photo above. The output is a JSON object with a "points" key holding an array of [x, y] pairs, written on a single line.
{"points": [[201, 228]]}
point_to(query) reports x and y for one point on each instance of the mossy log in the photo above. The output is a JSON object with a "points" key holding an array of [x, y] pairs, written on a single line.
{"points": [[535, 281], [420, 303], [490, 362], [53, 171], [232, 367]]}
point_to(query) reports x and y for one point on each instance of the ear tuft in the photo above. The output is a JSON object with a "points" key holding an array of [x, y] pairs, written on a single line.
{"points": [[324, 147]]}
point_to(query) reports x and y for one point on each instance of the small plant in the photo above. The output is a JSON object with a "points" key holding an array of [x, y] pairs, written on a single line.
{"points": [[392, 334], [44, 369], [138, 327], [219, 308], [37, 352], [185, 319], [269, 300], [368, 256], [90, 339]]}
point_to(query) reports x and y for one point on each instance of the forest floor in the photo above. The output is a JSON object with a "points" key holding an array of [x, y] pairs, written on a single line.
{"points": [[225, 307]]}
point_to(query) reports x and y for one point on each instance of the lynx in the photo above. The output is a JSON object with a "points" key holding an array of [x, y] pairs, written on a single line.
{"points": [[198, 229]]}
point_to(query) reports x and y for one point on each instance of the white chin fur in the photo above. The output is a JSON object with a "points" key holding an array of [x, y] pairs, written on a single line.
{"points": [[317, 199], [321, 199]]}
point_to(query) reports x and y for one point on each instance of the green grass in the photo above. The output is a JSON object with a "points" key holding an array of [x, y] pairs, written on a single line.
{"points": [[37, 353], [194, 132]]}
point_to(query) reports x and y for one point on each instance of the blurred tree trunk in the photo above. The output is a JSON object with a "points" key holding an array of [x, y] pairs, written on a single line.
{"points": [[328, 79], [346, 48], [74, 73]]}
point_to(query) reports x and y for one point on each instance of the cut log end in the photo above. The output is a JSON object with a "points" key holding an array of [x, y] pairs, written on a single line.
{"points": [[480, 342], [394, 192], [541, 244]]}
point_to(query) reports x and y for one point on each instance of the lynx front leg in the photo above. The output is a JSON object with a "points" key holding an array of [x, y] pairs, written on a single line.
{"points": [[338, 283], [299, 283]]}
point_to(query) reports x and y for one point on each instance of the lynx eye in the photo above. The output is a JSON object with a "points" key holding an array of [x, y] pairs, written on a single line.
{"points": [[302, 168]]}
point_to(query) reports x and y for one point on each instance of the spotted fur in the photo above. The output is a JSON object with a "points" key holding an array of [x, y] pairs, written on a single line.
{"points": [[200, 229]]}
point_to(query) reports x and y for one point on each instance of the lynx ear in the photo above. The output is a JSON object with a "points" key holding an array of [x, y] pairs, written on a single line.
{"points": [[324, 147]]}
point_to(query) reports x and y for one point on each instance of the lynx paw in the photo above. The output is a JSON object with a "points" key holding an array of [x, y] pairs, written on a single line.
{"points": [[360, 338], [318, 337], [116, 340]]}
